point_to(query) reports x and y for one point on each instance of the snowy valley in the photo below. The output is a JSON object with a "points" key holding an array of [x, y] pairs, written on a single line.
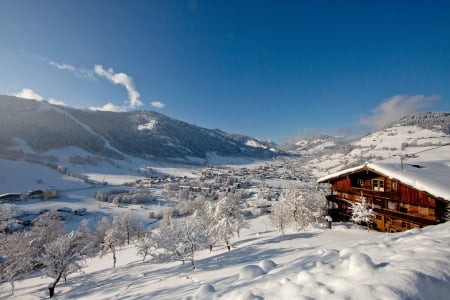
{"points": [[256, 257]]}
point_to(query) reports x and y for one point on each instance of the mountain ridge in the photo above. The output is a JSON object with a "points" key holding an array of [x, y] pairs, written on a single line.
{"points": [[143, 134]]}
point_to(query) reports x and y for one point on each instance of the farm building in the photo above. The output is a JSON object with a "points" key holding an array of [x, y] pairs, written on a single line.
{"points": [[50, 194], [10, 197], [403, 196]]}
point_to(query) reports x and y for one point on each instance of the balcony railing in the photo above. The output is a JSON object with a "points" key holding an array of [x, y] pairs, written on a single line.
{"points": [[418, 219]]}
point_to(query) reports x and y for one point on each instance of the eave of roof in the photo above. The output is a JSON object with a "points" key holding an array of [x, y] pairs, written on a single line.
{"points": [[433, 177]]}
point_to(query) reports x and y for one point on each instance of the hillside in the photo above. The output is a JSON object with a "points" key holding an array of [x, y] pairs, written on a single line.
{"points": [[143, 134], [341, 263], [419, 136], [346, 262]]}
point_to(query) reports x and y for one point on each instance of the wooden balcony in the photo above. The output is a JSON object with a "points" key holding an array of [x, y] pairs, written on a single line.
{"points": [[421, 220], [414, 218]]}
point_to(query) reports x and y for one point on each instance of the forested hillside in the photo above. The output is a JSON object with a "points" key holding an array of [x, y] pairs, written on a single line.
{"points": [[144, 134]]}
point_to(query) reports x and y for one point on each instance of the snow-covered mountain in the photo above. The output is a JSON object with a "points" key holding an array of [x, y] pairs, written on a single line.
{"points": [[420, 134], [144, 134], [342, 262]]}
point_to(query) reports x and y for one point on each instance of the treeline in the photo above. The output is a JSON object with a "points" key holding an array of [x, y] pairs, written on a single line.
{"points": [[118, 197], [439, 121]]}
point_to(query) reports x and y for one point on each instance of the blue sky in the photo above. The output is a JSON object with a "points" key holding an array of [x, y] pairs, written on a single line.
{"points": [[268, 69]]}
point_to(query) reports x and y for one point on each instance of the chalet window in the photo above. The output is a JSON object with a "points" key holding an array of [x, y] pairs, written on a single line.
{"points": [[360, 182], [378, 185], [394, 185], [392, 205], [404, 208], [423, 210], [378, 217]]}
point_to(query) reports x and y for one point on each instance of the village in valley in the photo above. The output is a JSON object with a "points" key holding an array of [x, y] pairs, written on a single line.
{"points": [[224, 150], [159, 211], [258, 187]]}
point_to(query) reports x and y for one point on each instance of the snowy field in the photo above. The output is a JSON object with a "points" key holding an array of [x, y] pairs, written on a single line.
{"points": [[346, 262], [342, 263]]}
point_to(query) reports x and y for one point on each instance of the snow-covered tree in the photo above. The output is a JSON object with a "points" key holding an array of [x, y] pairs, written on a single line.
{"points": [[302, 205], [7, 214], [99, 234], [205, 218], [47, 228], [146, 245], [180, 240], [21, 251], [166, 213], [192, 237], [280, 216], [86, 237], [114, 238], [361, 213], [18, 259], [127, 223], [116, 201], [183, 195], [140, 230], [63, 256], [306, 204], [228, 219]]}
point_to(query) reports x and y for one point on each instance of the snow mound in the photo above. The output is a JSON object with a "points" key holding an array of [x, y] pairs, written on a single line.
{"points": [[267, 265], [356, 263], [251, 272], [304, 277], [204, 292]]}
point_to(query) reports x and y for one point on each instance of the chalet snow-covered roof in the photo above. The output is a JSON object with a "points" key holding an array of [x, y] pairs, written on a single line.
{"points": [[432, 177]]}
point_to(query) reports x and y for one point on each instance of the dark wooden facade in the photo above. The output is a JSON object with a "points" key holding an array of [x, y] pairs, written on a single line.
{"points": [[397, 206]]}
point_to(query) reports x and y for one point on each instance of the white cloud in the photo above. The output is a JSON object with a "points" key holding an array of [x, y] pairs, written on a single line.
{"points": [[32, 95], [157, 104], [121, 79], [78, 72], [29, 94], [56, 102], [109, 107], [62, 66], [396, 107]]}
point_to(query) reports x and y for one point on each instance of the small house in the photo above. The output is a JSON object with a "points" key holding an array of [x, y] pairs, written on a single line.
{"points": [[10, 197], [403, 196], [50, 194]]}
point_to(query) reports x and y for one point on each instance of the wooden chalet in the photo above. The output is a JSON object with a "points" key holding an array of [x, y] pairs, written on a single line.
{"points": [[402, 196]]}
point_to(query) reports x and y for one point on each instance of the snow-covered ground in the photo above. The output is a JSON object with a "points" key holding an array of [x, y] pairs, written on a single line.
{"points": [[342, 263]]}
